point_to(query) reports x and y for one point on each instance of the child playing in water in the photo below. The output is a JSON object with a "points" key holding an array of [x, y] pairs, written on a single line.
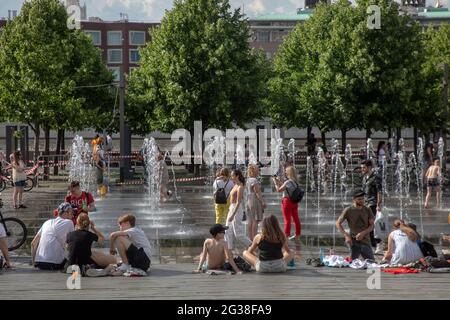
{"points": [[433, 177], [215, 252]]}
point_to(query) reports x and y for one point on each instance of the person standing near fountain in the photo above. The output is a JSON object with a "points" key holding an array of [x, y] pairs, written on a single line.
{"points": [[372, 187], [222, 187], [433, 176], [255, 201], [163, 176], [19, 178], [381, 153], [427, 156], [236, 231], [289, 208], [361, 222]]}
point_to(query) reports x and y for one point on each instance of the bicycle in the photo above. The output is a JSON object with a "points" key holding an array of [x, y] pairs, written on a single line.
{"points": [[16, 231], [7, 180]]}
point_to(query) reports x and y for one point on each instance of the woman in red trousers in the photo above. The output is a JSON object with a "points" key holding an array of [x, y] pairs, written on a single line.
{"points": [[289, 208]]}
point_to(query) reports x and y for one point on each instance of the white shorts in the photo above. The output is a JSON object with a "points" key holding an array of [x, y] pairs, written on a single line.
{"points": [[270, 266], [2, 231]]}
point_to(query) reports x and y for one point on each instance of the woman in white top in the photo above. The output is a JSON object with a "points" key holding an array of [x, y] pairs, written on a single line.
{"points": [[402, 245], [255, 201], [19, 178], [225, 185], [236, 230]]}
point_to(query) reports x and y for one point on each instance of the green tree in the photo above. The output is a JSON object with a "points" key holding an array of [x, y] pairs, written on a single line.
{"points": [[42, 64], [437, 53], [198, 66]]}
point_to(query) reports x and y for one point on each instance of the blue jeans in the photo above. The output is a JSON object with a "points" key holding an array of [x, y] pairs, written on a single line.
{"points": [[360, 248]]}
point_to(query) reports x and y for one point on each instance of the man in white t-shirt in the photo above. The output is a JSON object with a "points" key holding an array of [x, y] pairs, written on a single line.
{"points": [[48, 246], [131, 243]]}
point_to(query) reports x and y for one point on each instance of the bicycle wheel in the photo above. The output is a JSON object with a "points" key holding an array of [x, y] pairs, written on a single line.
{"points": [[29, 184], [2, 185], [16, 233]]}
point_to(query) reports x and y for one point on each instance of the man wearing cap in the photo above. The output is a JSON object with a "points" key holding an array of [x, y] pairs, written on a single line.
{"points": [[48, 246], [360, 221], [215, 251]]}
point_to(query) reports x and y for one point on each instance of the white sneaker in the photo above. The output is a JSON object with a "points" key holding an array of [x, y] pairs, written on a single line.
{"points": [[380, 248], [124, 267], [294, 237], [99, 272]]}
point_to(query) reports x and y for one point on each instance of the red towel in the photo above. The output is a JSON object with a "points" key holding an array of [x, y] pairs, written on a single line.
{"points": [[400, 270]]}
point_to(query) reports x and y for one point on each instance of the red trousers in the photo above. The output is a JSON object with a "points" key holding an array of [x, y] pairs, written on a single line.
{"points": [[290, 211]]}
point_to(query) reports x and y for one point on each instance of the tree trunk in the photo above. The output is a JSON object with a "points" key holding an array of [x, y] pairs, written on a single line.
{"points": [[399, 135], [37, 133], [63, 145], [389, 134], [46, 152], [58, 151], [416, 135], [368, 133], [344, 140], [324, 138]]}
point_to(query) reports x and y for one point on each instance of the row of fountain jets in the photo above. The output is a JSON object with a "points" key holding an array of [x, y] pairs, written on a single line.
{"points": [[322, 176]]}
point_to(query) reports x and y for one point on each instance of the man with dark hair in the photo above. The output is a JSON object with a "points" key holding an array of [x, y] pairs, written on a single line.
{"points": [[372, 187], [81, 201]]}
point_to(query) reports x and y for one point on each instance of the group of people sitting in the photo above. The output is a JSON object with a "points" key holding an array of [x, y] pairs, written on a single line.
{"points": [[269, 251], [67, 240]]}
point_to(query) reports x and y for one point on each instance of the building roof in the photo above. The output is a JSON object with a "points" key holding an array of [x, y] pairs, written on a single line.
{"points": [[282, 17]]}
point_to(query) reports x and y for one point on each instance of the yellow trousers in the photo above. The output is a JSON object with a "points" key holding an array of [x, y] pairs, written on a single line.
{"points": [[222, 212]]}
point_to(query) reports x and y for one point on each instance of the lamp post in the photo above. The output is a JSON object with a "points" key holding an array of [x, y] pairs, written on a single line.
{"points": [[125, 138], [444, 66]]}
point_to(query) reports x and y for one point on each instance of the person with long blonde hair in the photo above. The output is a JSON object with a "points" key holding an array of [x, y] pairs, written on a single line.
{"points": [[255, 201], [274, 254], [288, 207], [222, 187], [402, 245]]}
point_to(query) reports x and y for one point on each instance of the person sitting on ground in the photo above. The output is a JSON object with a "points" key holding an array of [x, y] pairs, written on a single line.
{"points": [[131, 243], [361, 222], [433, 176], [402, 245], [215, 252], [81, 201], [48, 246], [274, 253], [4, 245], [79, 244]]}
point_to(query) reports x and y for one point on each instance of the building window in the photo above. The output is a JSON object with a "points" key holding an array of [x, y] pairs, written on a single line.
{"points": [[114, 38], [262, 36], [96, 37], [134, 56], [114, 55], [137, 38], [116, 73]]}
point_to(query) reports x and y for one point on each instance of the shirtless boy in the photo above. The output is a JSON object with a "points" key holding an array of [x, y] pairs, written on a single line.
{"points": [[215, 251], [433, 176]]}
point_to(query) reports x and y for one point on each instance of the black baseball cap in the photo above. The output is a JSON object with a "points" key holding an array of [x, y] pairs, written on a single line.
{"points": [[358, 193], [217, 228]]}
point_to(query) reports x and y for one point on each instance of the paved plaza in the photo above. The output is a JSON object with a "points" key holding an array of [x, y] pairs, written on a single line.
{"points": [[177, 230]]}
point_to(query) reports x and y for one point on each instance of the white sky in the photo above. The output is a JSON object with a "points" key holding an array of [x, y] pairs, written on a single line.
{"points": [[153, 10]]}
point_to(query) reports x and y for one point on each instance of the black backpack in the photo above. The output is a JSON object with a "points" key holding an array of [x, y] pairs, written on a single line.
{"points": [[220, 196], [427, 249], [297, 194], [241, 264]]}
